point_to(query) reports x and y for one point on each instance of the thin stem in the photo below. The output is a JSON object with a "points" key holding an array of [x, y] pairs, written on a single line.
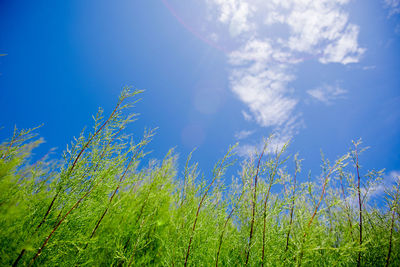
{"points": [[76, 160], [141, 211], [62, 220], [216, 175], [291, 210], [271, 181], [359, 204], [186, 177], [94, 135], [111, 199], [11, 142], [326, 179], [21, 254], [394, 205], [254, 203], [134, 248], [346, 207], [226, 223], [59, 223]]}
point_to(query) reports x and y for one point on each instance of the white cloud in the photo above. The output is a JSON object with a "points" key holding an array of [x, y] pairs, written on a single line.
{"points": [[394, 6], [318, 27], [397, 29], [313, 25], [345, 49], [394, 9], [378, 189], [280, 136], [235, 14], [248, 150], [243, 134], [263, 90], [260, 81], [246, 116], [327, 93], [263, 61], [371, 67], [253, 50]]}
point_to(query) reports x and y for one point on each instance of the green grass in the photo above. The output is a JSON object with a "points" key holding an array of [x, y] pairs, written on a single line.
{"points": [[97, 207]]}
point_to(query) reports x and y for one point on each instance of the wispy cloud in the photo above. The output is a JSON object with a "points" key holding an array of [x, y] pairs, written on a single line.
{"points": [[249, 150], [393, 6], [388, 181], [394, 9], [263, 63], [327, 93], [376, 190], [319, 28], [262, 84], [235, 14], [371, 67], [345, 49], [243, 134], [280, 136], [246, 116]]}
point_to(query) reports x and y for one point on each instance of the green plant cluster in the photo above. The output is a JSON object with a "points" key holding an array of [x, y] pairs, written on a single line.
{"points": [[105, 204]]}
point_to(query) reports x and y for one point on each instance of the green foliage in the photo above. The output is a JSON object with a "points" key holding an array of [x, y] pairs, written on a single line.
{"points": [[102, 205]]}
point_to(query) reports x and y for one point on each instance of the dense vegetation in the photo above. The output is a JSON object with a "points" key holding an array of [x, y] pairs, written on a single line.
{"points": [[106, 204]]}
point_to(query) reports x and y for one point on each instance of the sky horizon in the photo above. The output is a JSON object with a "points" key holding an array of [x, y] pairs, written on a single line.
{"points": [[215, 72]]}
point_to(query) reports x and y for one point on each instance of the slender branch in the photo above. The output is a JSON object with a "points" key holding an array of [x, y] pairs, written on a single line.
{"points": [[216, 175], [186, 176], [394, 205], [139, 217], [135, 156], [21, 254], [271, 181], [95, 134], [59, 223], [83, 197], [326, 179], [226, 223], [359, 203], [15, 139], [292, 205], [11, 142], [153, 183], [346, 207], [76, 160], [134, 248], [141, 224], [254, 203]]}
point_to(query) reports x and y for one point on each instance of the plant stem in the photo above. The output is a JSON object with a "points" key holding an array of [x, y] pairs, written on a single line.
{"points": [[291, 210], [76, 160], [271, 181], [216, 175], [59, 223], [394, 205], [111, 199], [321, 197], [326, 179], [19, 257], [347, 208], [359, 203], [226, 223], [254, 203]]}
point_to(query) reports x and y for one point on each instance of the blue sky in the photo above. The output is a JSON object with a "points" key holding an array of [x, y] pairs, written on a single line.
{"points": [[319, 73]]}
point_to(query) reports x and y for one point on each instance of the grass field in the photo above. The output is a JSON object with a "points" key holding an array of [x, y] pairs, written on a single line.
{"points": [[97, 206]]}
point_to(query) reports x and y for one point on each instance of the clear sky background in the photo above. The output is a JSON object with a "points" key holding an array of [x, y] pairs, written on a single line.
{"points": [[320, 73]]}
